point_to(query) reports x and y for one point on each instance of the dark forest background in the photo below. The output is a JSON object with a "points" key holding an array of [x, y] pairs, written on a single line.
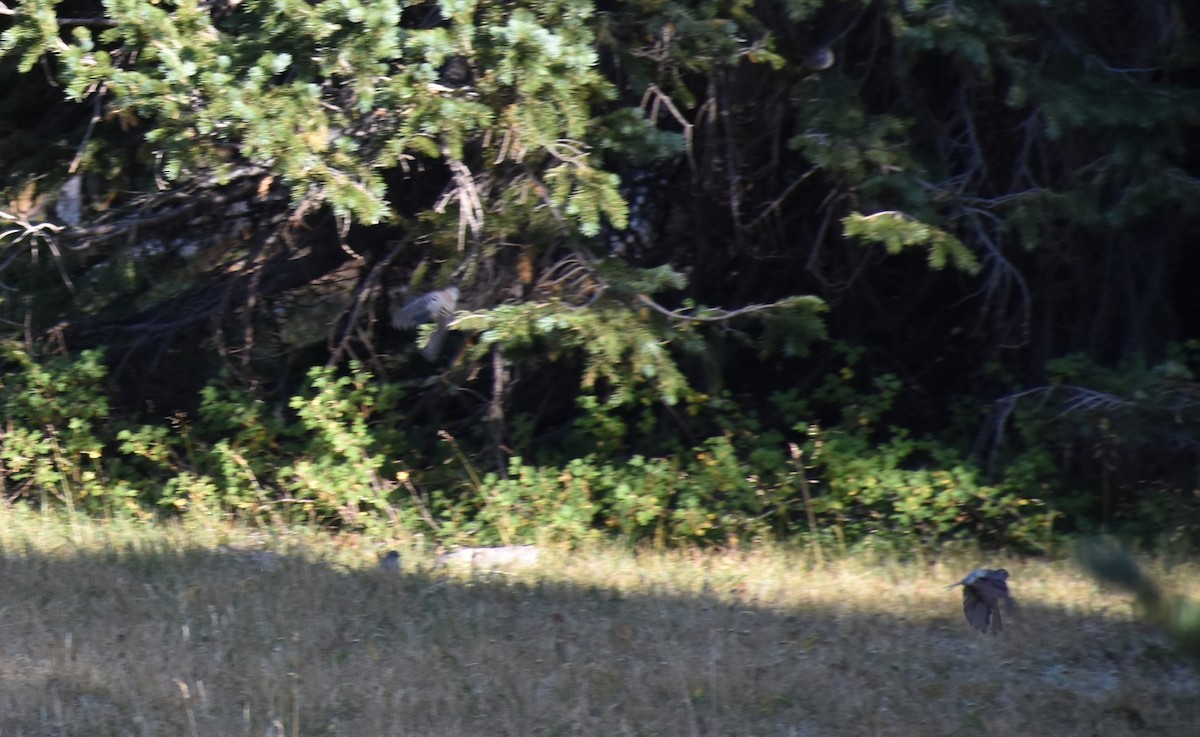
{"points": [[877, 273]]}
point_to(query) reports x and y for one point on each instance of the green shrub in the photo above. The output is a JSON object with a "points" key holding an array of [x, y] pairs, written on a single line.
{"points": [[540, 504], [919, 491], [55, 417], [338, 470], [871, 481], [336, 456]]}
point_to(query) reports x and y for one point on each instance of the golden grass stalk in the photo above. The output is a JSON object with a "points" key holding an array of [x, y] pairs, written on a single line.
{"points": [[203, 629]]}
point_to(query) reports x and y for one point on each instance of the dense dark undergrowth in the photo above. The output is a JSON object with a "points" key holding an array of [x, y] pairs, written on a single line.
{"points": [[876, 272], [835, 465]]}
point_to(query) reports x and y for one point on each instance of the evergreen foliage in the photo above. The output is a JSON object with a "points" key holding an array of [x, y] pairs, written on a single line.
{"points": [[653, 213], [897, 232]]}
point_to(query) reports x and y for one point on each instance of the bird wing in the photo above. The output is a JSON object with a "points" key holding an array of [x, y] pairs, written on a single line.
{"points": [[433, 346], [442, 310], [981, 612], [982, 598], [984, 590], [994, 585], [437, 306]]}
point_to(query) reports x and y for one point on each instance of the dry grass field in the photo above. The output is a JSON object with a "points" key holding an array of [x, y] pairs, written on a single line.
{"points": [[199, 631]]}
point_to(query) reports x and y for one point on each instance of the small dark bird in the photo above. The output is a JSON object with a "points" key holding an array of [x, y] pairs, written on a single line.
{"points": [[390, 562], [984, 590], [821, 59], [436, 307], [455, 74]]}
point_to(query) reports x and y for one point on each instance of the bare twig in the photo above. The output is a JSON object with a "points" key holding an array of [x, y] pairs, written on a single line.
{"points": [[775, 203], [1075, 400], [470, 203], [656, 98], [798, 460], [711, 314], [44, 232], [366, 289]]}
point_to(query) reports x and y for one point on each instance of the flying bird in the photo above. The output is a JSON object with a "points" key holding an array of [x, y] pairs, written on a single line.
{"points": [[436, 307], [821, 59], [984, 590], [390, 562]]}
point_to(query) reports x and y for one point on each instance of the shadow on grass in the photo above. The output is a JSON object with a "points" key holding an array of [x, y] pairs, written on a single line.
{"points": [[202, 642]]}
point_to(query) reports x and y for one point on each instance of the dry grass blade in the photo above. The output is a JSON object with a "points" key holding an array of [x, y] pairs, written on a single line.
{"points": [[174, 631]]}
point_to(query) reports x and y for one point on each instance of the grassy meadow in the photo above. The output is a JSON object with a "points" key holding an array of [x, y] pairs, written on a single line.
{"points": [[206, 630]]}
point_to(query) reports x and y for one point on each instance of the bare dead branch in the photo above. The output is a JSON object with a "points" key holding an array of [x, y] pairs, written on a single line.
{"points": [[1079, 400], [656, 98], [470, 202], [35, 232], [711, 314], [362, 297]]}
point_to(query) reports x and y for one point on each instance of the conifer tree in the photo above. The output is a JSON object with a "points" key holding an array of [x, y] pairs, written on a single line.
{"points": [[640, 203]]}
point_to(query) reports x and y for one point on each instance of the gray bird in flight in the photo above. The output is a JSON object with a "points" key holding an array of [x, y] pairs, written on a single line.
{"points": [[436, 307], [390, 562], [984, 590]]}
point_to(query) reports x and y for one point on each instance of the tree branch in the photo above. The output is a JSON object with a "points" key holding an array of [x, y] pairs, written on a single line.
{"points": [[711, 314]]}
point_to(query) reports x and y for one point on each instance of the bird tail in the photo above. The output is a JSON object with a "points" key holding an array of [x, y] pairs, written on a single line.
{"points": [[433, 347]]}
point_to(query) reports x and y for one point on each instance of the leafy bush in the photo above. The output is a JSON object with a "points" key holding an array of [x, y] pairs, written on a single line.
{"points": [[55, 415], [540, 504], [872, 481], [339, 469], [336, 456], [920, 491]]}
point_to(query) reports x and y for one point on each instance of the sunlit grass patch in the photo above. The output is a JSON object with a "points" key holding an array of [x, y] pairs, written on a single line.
{"points": [[208, 629]]}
